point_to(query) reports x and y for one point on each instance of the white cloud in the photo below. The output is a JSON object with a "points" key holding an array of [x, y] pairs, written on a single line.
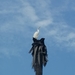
{"points": [[8, 52], [59, 30], [29, 11], [64, 35], [71, 36], [44, 23]]}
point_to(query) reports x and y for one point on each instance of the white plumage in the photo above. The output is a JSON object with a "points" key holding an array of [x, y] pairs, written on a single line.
{"points": [[35, 35]]}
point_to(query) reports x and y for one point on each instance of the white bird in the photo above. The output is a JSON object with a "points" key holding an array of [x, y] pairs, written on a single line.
{"points": [[35, 35]]}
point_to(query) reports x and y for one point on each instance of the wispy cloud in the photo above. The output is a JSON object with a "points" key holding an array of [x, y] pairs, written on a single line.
{"points": [[64, 35], [28, 11], [59, 30], [44, 23], [8, 52]]}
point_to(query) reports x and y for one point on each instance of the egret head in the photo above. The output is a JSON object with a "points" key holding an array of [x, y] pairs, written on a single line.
{"points": [[38, 29]]}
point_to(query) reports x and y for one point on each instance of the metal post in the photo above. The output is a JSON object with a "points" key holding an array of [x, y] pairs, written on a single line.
{"points": [[38, 70]]}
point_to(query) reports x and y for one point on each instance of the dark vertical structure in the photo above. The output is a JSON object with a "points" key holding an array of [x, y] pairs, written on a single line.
{"points": [[39, 53]]}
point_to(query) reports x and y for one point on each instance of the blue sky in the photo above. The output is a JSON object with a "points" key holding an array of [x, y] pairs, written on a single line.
{"points": [[19, 19]]}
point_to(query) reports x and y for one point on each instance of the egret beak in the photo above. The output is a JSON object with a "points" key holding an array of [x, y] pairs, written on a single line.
{"points": [[38, 27]]}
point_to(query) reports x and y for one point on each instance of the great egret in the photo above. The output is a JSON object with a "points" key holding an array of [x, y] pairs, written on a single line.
{"points": [[35, 35]]}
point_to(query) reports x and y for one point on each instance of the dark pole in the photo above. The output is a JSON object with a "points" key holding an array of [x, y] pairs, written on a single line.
{"points": [[38, 70], [39, 53]]}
